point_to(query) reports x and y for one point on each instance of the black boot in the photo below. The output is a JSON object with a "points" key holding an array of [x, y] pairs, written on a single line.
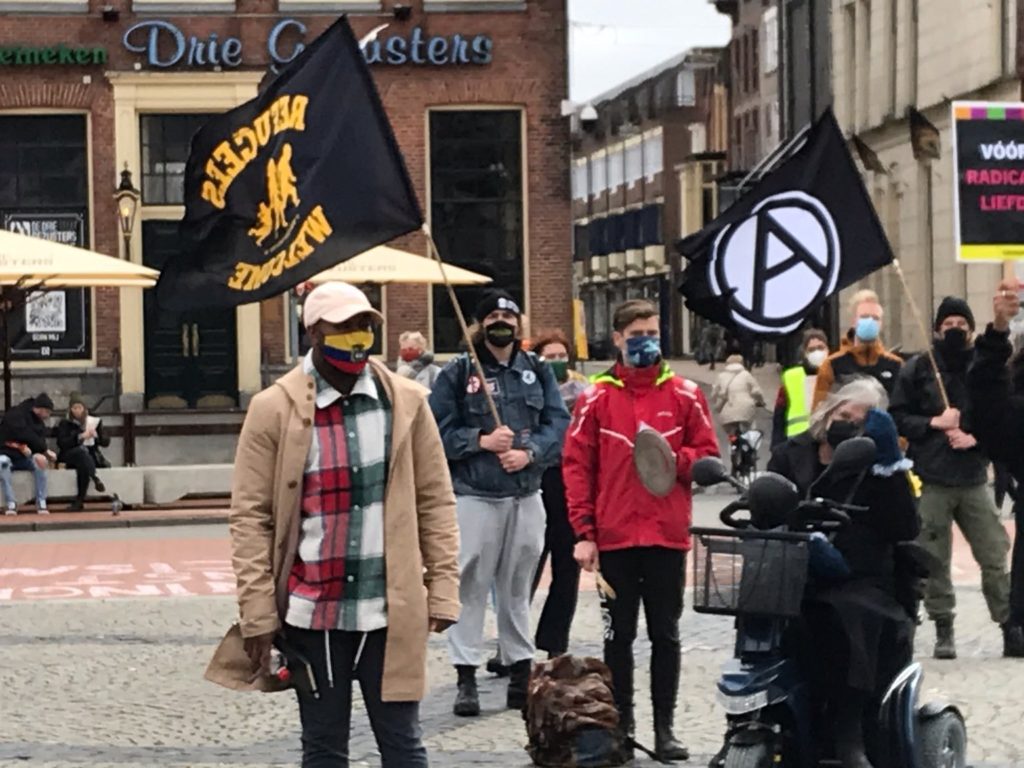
{"points": [[945, 643], [518, 682], [76, 506], [467, 700], [627, 731], [495, 667], [666, 746], [1013, 641], [850, 734], [100, 487]]}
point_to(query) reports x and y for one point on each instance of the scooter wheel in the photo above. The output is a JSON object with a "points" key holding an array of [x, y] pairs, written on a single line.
{"points": [[748, 756], [943, 742]]}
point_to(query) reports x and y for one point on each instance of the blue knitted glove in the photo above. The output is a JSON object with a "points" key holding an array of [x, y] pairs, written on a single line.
{"points": [[880, 427]]}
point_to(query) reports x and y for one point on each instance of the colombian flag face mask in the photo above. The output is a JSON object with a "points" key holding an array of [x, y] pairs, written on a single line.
{"points": [[348, 352]]}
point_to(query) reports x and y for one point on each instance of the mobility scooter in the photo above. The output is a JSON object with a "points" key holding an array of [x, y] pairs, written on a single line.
{"points": [[759, 577]]}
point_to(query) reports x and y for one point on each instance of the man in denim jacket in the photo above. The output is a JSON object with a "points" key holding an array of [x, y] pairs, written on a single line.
{"points": [[496, 471]]}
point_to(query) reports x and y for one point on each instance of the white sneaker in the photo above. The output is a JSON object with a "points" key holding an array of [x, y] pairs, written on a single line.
{"points": [[43, 511], [11, 511]]}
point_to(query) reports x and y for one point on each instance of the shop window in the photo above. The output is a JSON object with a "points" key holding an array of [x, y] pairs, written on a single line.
{"points": [[355, 6], [44, 193], [468, 6], [165, 146], [45, 6], [476, 205], [43, 161]]}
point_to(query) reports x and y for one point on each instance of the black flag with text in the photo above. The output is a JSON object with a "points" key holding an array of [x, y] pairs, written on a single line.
{"points": [[304, 176], [803, 232]]}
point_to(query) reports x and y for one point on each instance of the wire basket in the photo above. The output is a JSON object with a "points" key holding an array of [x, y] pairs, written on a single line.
{"points": [[749, 573]]}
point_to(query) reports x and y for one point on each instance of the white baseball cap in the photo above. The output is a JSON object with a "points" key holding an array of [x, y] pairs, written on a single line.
{"points": [[336, 302]]}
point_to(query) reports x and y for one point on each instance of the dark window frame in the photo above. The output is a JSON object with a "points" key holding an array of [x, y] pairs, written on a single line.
{"points": [[166, 151], [477, 205]]}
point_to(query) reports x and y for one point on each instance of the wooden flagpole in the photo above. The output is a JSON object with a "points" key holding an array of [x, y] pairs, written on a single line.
{"points": [[929, 350], [462, 325]]}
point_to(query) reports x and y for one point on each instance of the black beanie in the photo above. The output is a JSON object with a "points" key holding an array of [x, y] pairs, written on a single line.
{"points": [[75, 399], [493, 300], [42, 401], [952, 306]]}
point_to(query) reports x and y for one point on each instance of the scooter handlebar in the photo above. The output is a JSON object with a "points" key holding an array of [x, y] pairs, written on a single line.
{"points": [[727, 515]]}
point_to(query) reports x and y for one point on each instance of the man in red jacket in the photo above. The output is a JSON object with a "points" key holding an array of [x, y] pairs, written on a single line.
{"points": [[641, 539]]}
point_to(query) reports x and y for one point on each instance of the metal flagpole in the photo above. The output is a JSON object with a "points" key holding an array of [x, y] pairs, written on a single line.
{"points": [[924, 331], [462, 325]]}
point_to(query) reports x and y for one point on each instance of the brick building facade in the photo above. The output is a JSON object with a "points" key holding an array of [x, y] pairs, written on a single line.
{"points": [[472, 89]]}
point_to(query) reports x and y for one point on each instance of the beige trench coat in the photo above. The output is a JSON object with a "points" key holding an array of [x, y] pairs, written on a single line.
{"points": [[420, 530]]}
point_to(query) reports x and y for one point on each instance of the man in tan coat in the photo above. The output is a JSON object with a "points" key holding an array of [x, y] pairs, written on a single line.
{"points": [[344, 538]]}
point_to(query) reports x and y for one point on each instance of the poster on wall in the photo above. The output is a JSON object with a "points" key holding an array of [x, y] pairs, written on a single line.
{"points": [[988, 180], [50, 325]]}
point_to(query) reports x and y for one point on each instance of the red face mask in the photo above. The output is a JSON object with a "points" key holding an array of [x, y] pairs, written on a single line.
{"points": [[408, 354]]}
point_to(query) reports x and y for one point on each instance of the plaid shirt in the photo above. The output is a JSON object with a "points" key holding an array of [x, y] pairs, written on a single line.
{"points": [[338, 580]]}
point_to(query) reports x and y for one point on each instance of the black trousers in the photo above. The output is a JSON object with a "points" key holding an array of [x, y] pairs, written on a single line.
{"points": [[559, 542], [1017, 567], [326, 721], [80, 460], [654, 576]]}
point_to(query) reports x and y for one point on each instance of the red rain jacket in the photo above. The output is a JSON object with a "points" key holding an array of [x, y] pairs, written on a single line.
{"points": [[607, 502]]}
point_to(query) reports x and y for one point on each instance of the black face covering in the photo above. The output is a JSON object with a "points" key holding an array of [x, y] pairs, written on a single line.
{"points": [[840, 431], [500, 333], [954, 348]]}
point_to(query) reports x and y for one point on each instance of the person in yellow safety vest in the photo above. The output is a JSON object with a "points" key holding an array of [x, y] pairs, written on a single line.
{"points": [[793, 404]]}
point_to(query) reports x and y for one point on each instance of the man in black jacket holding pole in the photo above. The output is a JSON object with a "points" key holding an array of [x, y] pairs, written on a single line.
{"points": [[997, 391], [937, 423]]}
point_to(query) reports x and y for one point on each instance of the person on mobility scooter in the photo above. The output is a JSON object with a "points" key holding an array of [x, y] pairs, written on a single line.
{"points": [[831, 675]]}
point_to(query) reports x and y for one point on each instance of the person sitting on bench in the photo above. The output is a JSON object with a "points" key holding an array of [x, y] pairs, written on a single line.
{"points": [[79, 437], [23, 434]]}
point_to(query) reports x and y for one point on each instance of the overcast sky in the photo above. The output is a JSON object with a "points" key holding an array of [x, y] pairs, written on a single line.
{"points": [[612, 40]]}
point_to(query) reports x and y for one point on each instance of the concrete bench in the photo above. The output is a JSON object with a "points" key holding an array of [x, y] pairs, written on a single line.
{"points": [[165, 485], [126, 482]]}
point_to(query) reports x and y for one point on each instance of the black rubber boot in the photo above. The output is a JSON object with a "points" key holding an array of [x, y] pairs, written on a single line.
{"points": [[1013, 641], [945, 643], [495, 667], [666, 745], [518, 682], [467, 700]]}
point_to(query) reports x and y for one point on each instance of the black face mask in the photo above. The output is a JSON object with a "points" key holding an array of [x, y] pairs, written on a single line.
{"points": [[841, 431], [500, 333], [954, 340]]}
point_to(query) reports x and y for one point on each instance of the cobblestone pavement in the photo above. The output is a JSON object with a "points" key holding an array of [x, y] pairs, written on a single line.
{"points": [[117, 683]]}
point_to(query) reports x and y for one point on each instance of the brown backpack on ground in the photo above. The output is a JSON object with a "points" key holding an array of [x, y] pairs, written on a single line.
{"points": [[571, 719]]}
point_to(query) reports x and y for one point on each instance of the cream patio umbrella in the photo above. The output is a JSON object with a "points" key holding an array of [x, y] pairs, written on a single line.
{"points": [[32, 264], [382, 265]]}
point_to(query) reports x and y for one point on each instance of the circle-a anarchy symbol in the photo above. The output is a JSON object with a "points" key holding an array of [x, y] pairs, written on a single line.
{"points": [[775, 265]]}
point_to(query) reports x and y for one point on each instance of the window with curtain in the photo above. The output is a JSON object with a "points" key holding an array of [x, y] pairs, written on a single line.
{"points": [[476, 206]]}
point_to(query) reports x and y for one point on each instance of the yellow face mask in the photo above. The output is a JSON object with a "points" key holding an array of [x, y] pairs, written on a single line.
{"points": [[349, 351]]}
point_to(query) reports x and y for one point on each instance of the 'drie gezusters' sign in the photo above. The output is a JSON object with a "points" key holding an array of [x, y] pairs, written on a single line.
{"points": [[988, 157], [165, 45]]}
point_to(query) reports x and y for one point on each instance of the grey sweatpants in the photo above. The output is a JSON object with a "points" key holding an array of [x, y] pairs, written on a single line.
{"points": [[500, 541]]}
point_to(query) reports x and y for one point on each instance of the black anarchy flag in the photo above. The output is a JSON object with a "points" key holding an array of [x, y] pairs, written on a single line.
{"points": [[303, 177], [802, 233]]}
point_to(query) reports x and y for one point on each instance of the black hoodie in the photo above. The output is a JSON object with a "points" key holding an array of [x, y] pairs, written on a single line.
{"points": [[21, 425]]}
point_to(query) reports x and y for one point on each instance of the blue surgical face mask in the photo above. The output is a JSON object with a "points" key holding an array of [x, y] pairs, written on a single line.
{"points": [[642, 351], [867, 329]]}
